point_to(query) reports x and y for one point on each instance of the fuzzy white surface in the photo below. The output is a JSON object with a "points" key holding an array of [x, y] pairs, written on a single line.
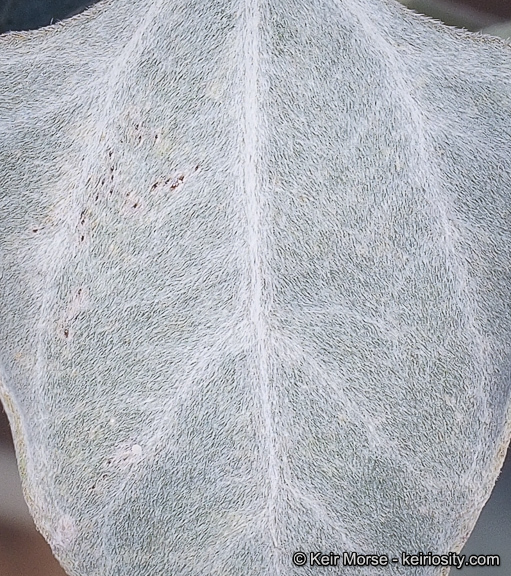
{"points": [[255, 282]]}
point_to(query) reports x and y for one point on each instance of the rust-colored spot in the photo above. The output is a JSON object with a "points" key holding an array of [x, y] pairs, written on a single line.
{"points": [[176, 182]]}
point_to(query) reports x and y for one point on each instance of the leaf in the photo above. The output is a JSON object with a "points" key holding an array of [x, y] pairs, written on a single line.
{"points": [[255, 274]]}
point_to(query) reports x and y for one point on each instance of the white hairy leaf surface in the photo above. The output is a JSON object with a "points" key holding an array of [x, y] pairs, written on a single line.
{"points": [[255, 282]]}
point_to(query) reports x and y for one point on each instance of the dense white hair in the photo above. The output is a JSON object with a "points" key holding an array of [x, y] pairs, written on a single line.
{"points": [[254, 282]]}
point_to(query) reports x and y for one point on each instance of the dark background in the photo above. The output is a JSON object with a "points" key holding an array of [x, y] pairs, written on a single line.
{"points": [[23, 552], [30, 14]]}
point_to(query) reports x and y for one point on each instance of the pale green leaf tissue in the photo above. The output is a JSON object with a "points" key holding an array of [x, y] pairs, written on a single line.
{"points": [[255, 283]]}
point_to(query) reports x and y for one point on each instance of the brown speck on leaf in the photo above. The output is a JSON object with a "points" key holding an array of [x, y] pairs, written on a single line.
{"points": [[179, 180], [175, 182], [66, 332]]}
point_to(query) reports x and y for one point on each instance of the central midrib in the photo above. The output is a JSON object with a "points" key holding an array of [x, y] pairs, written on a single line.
{"points": [[255, 202]]}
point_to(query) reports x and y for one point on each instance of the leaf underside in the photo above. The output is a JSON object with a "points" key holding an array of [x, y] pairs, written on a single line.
{"points": [[255, 282]]}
